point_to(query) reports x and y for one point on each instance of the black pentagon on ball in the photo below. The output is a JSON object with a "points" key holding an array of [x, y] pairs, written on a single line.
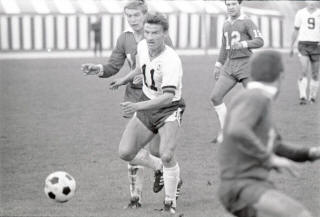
{"points": [[54, 180], [51, 195], [66, 190]]}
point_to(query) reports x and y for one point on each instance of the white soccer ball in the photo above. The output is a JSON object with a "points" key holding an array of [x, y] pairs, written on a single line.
{"points": [[60, 186]]}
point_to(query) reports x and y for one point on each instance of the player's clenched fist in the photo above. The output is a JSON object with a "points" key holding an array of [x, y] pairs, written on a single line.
{"points": [[91, 69]]}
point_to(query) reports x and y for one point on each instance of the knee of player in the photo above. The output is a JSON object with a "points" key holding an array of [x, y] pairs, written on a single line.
{"points": [[305, 213], [215, 99], [166, 156], [125, 155], [315, 76], [298, 211]]}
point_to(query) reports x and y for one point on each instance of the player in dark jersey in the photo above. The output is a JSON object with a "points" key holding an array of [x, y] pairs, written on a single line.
{"points": [[240, 35], [126, 50], [251, 147]]}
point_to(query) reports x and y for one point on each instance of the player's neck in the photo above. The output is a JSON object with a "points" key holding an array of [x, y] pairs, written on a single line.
{"points": [[234, 17], [138, 35], [311, 10], [153, 53]]}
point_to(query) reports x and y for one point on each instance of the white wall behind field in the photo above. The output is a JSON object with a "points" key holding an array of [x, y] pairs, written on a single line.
{"points": [[193, 27]]}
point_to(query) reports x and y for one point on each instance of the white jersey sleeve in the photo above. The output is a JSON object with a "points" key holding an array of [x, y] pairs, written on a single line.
{"points": [[297, 19]]}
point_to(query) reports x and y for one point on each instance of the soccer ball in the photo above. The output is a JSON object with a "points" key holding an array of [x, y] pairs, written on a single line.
{"points": [[60, 186]]}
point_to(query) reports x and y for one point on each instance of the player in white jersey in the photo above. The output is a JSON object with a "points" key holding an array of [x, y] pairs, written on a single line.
{"points": [[160, 107], [307, 30]]}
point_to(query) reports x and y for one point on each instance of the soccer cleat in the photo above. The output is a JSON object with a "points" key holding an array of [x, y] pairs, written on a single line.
{"points": [[180, 183], [134, 203], [218, 139], [303, 101], [158, 181], [168, 207]]}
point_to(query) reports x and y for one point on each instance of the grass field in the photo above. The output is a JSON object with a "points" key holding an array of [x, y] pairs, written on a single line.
{"points": [[54, 118]]}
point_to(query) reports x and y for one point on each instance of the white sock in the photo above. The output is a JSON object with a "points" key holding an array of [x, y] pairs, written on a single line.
{"points": [[135, 175], [144, 158], [171, 178], [221, 112], [302, 85], [314, 86]]}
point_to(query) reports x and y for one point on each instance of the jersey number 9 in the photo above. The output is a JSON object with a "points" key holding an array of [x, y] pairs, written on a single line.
{"points": [[311, 23]]}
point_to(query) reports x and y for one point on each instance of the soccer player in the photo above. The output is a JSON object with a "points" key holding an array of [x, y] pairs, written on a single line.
{"points": [[160, 107], [126, 49], [251, 147], [307, 30], [240, 35]]}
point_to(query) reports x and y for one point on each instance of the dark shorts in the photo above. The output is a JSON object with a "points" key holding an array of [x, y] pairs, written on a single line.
{"points": [[236, 69], [309, 49], [156, 118], [239, 196]]}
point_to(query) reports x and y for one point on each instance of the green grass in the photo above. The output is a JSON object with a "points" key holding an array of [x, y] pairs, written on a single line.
{"points": [[54, 118]]}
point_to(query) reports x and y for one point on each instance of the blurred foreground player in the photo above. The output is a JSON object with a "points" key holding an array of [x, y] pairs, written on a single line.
{"points": [[251, 148]]}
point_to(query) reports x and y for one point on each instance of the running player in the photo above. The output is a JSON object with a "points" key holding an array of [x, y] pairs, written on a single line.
{"points": [[126, 49], [160, 107], [307, 30], [240, 35], [251, 148]]}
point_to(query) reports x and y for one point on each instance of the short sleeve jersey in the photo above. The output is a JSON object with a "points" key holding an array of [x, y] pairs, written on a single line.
{"points": [[308, 24], [241, 29], [164, 71]]}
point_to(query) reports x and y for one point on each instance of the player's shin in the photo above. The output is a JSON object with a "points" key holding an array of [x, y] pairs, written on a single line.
{"points": [[302, 85], [135, 175], [314, 86], [144, 158], [171, 178], [221, 112]]}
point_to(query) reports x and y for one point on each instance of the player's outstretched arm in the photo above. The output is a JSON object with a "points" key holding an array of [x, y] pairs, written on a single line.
{"points": [[124, 80], [282, 164], [298, 154], [91, 69], [158, 102]]}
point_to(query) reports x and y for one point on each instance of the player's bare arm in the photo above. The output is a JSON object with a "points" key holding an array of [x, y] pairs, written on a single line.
{"points": [[221, 59], [293, 40], [124, 80], [161, 101], [281, 164]]}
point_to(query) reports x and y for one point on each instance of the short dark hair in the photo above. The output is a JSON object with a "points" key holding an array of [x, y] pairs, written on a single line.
{"points": [[266, 66], [137, 4], [158, 18], [240, 1]]}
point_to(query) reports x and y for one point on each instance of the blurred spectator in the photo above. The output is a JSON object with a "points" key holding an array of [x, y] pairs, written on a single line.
{"points": [[96, 28]]}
